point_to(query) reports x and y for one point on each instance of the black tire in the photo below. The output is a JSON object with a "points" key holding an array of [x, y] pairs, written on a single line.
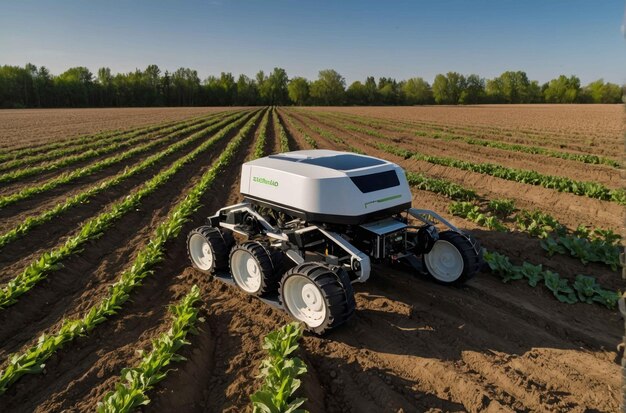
{"points": [[268, 261], [335, 288], [218, 243], [470, 252]]}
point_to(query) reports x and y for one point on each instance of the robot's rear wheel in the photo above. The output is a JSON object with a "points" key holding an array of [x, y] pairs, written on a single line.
{"points": [[317, 295], [208, 247], [453, 259]]}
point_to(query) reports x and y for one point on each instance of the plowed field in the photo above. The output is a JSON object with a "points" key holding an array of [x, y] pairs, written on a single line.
{"points": [[86, 192]]}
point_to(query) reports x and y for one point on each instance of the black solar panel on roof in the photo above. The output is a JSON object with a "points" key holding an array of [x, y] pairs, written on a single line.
{"points": [[343, 162]]}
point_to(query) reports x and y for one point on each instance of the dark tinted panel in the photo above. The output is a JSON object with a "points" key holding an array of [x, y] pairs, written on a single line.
{"points": [[376, 182], [344, 162]]}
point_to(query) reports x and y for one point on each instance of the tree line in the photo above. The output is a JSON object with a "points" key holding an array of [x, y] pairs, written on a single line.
{"points": [[35, 87]]}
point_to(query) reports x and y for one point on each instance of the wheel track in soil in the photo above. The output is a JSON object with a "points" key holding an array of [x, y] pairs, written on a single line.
{"points": [[22, 249], [476, 153], [66, 292], [84, 375], [569, 209]]}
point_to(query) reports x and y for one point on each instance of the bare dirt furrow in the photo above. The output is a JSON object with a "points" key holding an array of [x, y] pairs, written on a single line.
{"points": [[603, 174], [67, 292]]}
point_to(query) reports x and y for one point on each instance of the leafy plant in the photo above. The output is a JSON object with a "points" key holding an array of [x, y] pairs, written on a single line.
{"points": [[537, 223], [131, 391], [502, 207], [473, 213], [560, 287], [280, 371], [440, 186], [585, 288], [259, 146], [282, 134]]}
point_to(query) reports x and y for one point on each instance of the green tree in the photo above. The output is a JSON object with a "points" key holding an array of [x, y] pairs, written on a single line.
{"points": [[373, 97], [511, 87], [357, 94], [474, 90], [298, 89], [74, 87], [275, 87], [417, 91], [247, 92], [447, 88], [562, 90], [329, 88], [601, 92]]}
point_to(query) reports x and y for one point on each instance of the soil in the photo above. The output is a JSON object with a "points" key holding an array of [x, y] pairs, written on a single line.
{"points": [[412, 346]]}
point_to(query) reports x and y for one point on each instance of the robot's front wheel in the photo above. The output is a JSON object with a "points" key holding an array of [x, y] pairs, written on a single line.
{"points": [[207, 248], [317, 295]]}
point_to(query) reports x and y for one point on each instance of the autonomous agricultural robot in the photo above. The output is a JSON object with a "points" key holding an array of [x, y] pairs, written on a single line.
{"points": [[313, 222]]}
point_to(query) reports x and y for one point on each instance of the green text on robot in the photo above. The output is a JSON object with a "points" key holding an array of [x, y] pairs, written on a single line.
{"points": [[264, 181]]}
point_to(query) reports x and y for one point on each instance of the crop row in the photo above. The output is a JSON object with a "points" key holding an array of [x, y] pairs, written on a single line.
{"points": [[97, 144], [597, 245], [584, 289], [98, 166], [132, 388], [90, 154], [32, 360], [558, 183], [94, 227], [536, 150], [34, 221], [259, 145], [309, 140], [282, 134], [280, 371], [85, 139]]}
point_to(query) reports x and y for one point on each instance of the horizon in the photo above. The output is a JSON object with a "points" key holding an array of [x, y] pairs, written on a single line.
{"points": [[544, 40]]}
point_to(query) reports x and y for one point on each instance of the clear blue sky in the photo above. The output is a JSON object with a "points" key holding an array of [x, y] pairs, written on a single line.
{"points": [[399, 39]]}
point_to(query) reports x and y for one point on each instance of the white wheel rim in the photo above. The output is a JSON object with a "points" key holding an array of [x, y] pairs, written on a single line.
{"points": [[246, 271], [200, 252], [304, 300], [444, 261]]}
